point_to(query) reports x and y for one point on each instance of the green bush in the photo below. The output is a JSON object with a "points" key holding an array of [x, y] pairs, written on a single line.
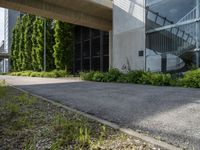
{"points": [[35, 74], [60, 73], [25, 73], [112, 75], [51, 74], [88, 76], [159, 79], [191, 79], [137, 77], [98, 76]]}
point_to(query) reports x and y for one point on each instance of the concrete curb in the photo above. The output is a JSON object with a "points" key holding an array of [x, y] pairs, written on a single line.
{"points": [[107, 123]]}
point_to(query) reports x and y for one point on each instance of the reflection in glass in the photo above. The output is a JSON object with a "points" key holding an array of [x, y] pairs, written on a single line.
{"points": [[173, 34]]}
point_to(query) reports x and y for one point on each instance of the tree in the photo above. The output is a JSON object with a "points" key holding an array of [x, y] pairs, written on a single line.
{"points": [[63, 48], [37, 44], [13, 57], [28, 44], [50, 43], [22, 57], [15, 46], [27, 59]]}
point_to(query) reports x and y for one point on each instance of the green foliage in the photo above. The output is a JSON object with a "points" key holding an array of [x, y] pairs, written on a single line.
{"points": [[15, 62], [3, 89], [50, 42], [21, 54], [51, 74], [21, 123], [29, 19], [191, 79], [98, 76], [71, 131], [63, 48], [88, 76], [137, 77], [112, 76], [38, 47], [27, 50], [25, 99], [11, 109]]}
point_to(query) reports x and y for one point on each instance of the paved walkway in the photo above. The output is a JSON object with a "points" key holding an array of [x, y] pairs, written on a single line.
{"points": [[172, 114]]}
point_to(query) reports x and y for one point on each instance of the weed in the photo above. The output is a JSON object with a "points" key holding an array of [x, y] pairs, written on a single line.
{"points": [[3, 88], [26, 99], [12, 109], [29, 145], [71, 131]]}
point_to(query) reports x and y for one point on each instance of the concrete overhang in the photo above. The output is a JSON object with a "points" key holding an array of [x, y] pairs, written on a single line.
{"points": [[90, 13]]}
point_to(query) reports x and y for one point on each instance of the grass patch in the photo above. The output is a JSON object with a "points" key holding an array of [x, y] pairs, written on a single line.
{"points": [[28, 123]]}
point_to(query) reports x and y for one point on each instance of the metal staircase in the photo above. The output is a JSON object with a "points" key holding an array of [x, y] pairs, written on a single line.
{"points": [[174, 40]]}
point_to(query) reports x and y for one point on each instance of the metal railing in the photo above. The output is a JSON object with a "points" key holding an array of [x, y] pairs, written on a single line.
{"points": [[174, 40]]}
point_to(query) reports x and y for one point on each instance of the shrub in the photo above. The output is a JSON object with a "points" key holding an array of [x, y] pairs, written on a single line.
{"points": [[51, 74], [88, 76], [35, 74], [60, 73], [137, 77], [24, 73], [48, 75], [156, 79], [191, 79], [98, 76], [112, 76]]}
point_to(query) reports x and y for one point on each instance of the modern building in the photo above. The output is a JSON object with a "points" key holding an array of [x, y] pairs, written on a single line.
{"points": [[156, 35], [10, 18], [172, 34], [151, 35], [1, 60], [91, 49]]}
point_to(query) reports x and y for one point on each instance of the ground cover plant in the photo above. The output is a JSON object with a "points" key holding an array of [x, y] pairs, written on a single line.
{"points": [[29, 123]]}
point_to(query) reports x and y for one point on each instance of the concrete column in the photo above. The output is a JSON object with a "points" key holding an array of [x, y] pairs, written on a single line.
{"points": [[110, 49], [3, 65]]}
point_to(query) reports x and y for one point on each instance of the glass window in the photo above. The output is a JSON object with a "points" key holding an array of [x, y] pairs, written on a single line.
{"points": [[174, 32]]}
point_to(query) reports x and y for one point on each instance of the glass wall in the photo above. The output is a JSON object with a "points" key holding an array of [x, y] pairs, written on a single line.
{"points": [[172, 35], [91, 50]]}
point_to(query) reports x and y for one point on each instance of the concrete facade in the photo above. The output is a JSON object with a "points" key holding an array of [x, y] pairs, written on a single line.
{"points": [[128, 34]]}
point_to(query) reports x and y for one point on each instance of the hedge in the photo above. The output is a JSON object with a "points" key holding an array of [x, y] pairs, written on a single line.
{"points": [[189, 79], [51, 74]]}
